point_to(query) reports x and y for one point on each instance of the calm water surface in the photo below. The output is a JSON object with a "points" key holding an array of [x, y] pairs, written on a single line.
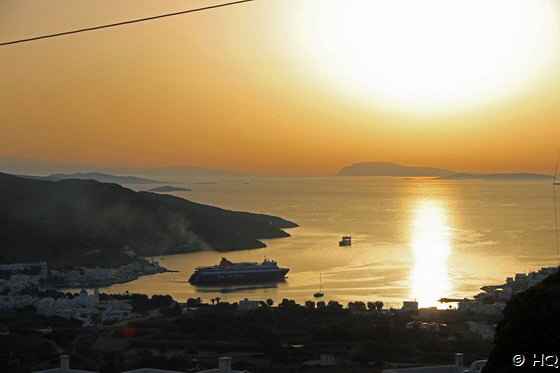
{"points": [[411, 238]]}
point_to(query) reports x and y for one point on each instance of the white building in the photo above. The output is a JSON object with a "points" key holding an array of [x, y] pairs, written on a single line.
{"points": [[86, 300], [64, 367], [151, 370], [248, 305], [475, 367], [326, 360], [428, 312], [16, 301], [409, 306], [224, 366], [482, 330], [429, 326], [116, 310], [7, 302], [479, 307], [83, 307]]}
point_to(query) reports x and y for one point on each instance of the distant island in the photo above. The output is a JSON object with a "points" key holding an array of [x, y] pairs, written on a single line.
{"points": [[29, 166], [86, 222], [509, 177], [167, 188], [393, 169], [390, 169], [104, 178]]}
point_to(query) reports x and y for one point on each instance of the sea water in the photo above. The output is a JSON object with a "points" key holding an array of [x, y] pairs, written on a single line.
{"points": [[412, 238]]}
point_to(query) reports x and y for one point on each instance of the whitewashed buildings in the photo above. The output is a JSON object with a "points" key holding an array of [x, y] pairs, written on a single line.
{"points": [[458, 367], [493, 299], [85, 307], [482, 330], [64, 367], [248, 305], [409, 306], [96, 276], [20, 276]]}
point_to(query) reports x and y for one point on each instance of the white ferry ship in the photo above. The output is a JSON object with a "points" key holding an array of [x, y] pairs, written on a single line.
{"points": [[228, 272]]}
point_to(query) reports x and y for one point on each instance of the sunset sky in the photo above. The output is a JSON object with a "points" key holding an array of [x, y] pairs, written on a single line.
{"points": [[285, 86]]}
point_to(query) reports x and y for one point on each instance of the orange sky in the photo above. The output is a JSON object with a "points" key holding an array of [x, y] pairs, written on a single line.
{"points": [[241, 88]]}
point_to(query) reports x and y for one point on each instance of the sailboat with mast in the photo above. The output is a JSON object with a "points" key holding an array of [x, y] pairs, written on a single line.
{"points": [[320, 293]]}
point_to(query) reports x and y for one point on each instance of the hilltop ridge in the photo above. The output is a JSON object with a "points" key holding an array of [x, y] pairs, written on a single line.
{"points": [[61, 221], [389, 169], [104, 178]]}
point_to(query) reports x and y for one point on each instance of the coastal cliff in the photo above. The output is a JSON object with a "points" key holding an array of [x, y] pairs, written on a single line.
{"points": [[89, 222]]}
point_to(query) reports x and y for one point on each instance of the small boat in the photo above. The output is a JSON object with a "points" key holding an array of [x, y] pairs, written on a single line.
{"points": [[320, 293], [346, 241]]}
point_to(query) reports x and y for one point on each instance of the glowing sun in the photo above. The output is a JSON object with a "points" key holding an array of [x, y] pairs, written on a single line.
{"points": [[429, 55]]}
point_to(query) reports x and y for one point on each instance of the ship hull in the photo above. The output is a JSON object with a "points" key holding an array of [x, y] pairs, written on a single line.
{"points": [[236, 277]]}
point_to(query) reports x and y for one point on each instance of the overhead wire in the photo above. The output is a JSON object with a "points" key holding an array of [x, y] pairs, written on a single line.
{"points": [[123, 22]]}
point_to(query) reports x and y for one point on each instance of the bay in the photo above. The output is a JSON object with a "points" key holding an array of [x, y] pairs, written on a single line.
{"points": [[412, 238]]}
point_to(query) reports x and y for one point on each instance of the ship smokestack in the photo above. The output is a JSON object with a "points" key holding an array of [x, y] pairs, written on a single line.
{"points": [[64, 363], [459, 362], [224, 364]]}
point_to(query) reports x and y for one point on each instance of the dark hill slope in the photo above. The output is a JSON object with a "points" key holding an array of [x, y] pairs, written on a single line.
{"points": [[531, 325], [64, 220]]}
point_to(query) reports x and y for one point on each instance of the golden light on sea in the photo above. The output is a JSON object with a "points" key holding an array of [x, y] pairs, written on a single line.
{"points": [[430, 237]]}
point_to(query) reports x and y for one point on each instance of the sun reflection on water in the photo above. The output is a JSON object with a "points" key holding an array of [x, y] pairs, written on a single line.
{"points": [[431, 248]]}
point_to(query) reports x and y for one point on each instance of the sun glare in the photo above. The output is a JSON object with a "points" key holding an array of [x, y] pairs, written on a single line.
{"points": [[429, 279], [431, 54]]}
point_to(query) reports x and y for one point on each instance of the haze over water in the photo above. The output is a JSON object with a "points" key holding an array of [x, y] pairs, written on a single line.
{"points": [[412, 238]]}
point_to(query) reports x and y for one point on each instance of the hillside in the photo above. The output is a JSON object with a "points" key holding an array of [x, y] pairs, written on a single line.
{"points": [[531, 325], [62, 221], [389, 169]]}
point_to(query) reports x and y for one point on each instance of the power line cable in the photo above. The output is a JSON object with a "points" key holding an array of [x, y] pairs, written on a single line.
{"points": [[124, 22]]}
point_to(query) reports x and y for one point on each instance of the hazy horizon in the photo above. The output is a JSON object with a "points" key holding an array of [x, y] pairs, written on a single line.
{"points": [[42, 167]]}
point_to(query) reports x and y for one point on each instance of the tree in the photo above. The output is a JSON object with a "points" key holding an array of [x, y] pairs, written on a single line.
{"points": [[371, 306], [269, 302], [334, 305], [378, 305], [193, 302], [287, 303], [173, 310], [359, 353], [357, 306]]}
